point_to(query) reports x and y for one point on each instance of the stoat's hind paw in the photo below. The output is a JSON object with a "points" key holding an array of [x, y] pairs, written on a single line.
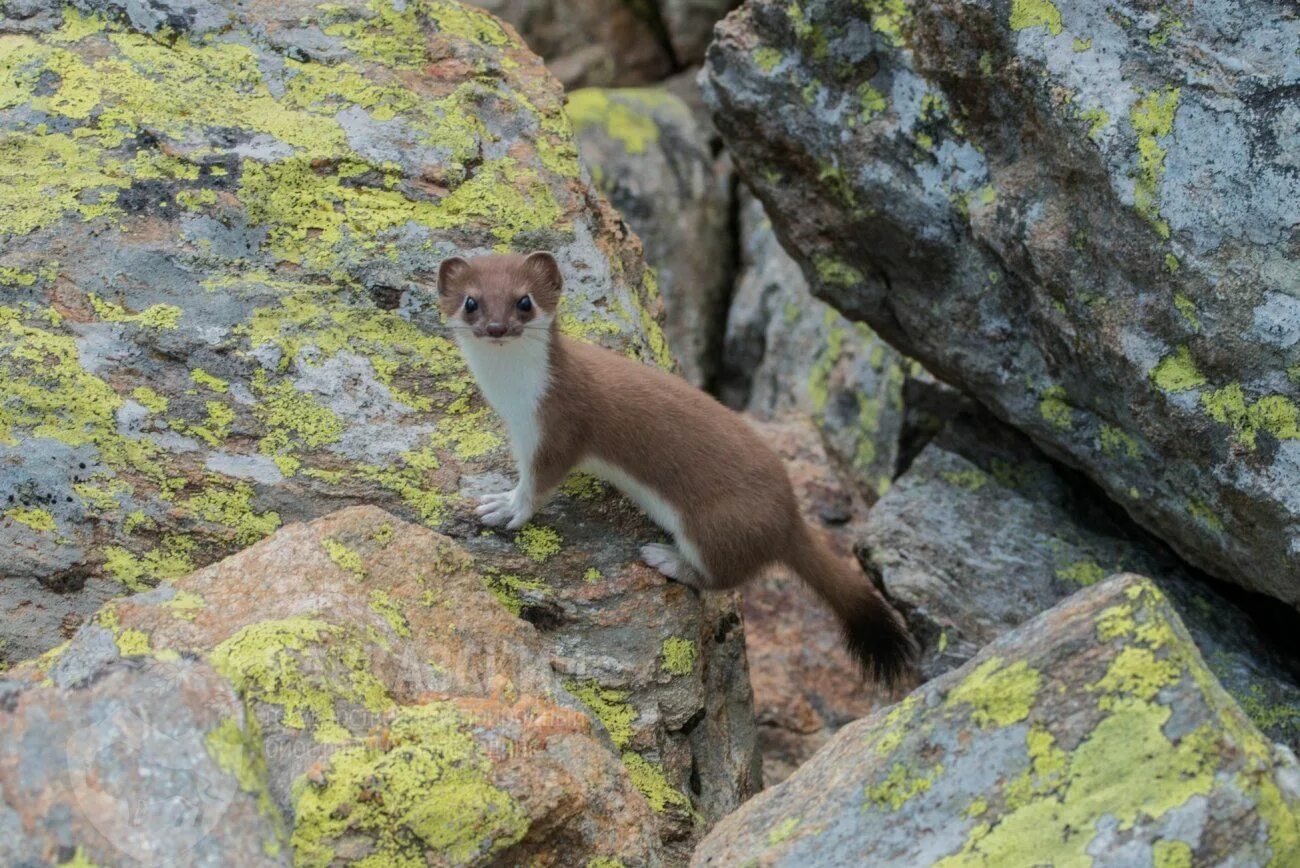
{"points": [[669, 561]]}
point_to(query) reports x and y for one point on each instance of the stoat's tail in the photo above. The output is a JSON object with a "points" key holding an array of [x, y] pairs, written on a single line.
{"points": [[875, 634]]}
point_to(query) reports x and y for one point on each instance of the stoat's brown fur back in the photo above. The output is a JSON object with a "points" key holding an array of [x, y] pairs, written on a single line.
{"points": [[694, 465]]}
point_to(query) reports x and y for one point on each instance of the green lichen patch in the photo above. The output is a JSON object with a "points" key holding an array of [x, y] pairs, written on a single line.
{"points": [[970, 478], [305, 667], [834, 272], [239, 751], [539, 543], [171, 558], [1275, 414], [1152, 117], [511, 588], [1083, 573], [766, 58], [1116, 443], [37, 519], [1035, 13], [899, 786], [184, 605], [422, 793], [345, 557], [1177, 372], [624, 115], [383, 604], [783, 831], [998, 695], [158, 316], [133, 643], [1055, 408], [1186, 307], [678, 656], [610, 707], [649, 778]]}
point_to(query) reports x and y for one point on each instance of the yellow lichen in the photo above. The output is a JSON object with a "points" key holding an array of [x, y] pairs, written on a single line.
{"points": [[678, 655], [425, 790], [538, 543], [998, 696], [305, 667]]}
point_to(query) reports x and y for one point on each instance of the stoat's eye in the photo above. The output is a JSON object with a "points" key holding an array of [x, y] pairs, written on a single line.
{"points": [[525, 304], [470, 304]]}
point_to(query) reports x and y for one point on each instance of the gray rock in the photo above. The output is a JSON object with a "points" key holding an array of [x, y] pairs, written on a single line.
{"points": [[982, 533], [130, 769], [1082, 215], [1094, 734], [646, 152], [788, 352]]}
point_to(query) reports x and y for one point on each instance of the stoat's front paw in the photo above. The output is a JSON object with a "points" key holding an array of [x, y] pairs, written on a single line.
{"points": [[509, 509]]}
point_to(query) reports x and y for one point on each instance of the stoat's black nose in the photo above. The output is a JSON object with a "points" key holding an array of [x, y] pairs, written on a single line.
{"points": [[496, 329]]}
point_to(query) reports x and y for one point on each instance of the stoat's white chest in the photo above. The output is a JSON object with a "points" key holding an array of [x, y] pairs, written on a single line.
{"points": [[513, 376]]}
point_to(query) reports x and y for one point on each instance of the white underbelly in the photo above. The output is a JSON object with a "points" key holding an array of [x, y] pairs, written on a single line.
{"points": [[654, 504]]}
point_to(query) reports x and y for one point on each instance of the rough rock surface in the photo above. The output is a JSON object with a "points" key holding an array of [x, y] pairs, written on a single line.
{"points": [[1084, 215], [805, 684], [217, 318], [983, 532], [649, 156], [1095, 734], [389, 707], [788, 352], [129, 768]]}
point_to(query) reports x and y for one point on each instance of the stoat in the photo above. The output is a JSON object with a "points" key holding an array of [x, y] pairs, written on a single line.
{"points": [[692, 464]]}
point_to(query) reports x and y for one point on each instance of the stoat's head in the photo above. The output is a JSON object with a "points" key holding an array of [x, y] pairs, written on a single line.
{"points": [[500, 298]]}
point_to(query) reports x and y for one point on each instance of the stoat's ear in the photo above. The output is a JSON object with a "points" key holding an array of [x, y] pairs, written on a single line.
{"points": [[544, 279], [451, 274]]}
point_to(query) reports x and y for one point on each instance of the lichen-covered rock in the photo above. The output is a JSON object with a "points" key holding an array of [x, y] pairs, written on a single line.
{"points": [[805, 684], [1094, 734], [139, 765], [217, 225], [982, 533], [211, 307], [1083, 214], [646, 152], [788, 352], [392, 708]]}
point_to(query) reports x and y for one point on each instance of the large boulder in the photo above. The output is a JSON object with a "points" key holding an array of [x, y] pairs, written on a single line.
{"points": [[983, 532], [786, 352], [1094, 734], [216, 233], [648, 154], [348, 689], [1084, 215]]}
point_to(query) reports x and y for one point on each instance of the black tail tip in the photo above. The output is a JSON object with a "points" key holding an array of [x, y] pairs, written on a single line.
{"points": [[877, 638]]}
